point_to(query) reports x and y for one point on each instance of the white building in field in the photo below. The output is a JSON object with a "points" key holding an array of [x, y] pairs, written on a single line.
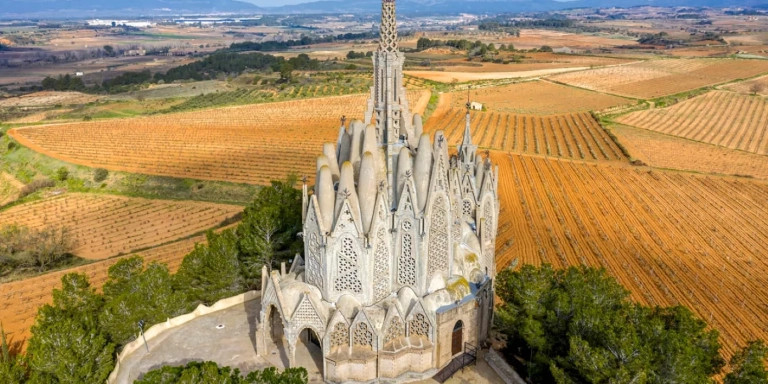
{"points": [[399, 242]]}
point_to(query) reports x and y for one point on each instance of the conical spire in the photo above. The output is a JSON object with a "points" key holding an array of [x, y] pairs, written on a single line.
{"points": [[388, 27]]}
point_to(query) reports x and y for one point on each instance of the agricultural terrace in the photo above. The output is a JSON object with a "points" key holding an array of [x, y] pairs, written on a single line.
{"points": [[755, 86], [642, 227], [656, 78], [664, 151], [572, 136], [101, 226], [510, 73], [722, 118], [9, 188], [536, 98], [248, 144], [19, 300]]}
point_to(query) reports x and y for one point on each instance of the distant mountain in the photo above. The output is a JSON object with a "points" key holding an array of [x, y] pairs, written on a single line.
{"points": [[119, 8], [421, 7], [129, 8]]}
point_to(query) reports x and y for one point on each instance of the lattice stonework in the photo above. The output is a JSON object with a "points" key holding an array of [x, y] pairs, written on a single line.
{"points": [[438, 238], [313, 262], [348, 278], [488, 233], [381, 266], [363, 336], [419, 325], [388, 28], [466, 208], [406, 270], [395, 329], [306, 315], [340, 335]]}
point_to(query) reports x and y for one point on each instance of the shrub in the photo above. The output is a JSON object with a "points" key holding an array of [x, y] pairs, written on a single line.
{"points": [[100, 174], [35, 186], [62, 174]]}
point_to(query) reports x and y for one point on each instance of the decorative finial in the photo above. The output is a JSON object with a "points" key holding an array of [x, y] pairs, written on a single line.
{"points": [[343, 119], [304, 179], [469, 104]]}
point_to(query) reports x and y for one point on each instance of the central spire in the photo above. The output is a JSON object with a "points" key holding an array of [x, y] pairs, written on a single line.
{"points": [[388, 109], [388, 28]]}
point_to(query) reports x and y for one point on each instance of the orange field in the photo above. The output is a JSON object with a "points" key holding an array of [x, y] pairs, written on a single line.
{"points": [[536, 98], [664, 151], [655, 78], [670, 238], [723, 118], [19, 300], [746, 87], [102, 226], [249, 144], [574, 136]]}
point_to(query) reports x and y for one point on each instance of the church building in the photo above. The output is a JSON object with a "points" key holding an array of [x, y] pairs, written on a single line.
{"points": [[399, 244]]}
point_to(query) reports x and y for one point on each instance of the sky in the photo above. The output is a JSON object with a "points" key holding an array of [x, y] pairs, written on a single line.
{"points": [[275, 3]]}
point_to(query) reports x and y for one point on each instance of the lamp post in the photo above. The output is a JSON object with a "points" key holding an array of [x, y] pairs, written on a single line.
{"points": [[141, 330]]}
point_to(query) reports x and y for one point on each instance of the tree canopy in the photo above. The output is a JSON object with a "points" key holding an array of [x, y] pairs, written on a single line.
{"points": [[209, 372], [578, 326]]}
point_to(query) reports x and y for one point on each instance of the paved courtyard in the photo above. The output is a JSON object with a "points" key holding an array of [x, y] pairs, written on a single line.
{"points": [[227, 338]]}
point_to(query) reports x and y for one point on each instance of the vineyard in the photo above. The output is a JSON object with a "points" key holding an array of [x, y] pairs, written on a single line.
{"points": [[670, 238], [573, 136], [664, 151], [249, 144], [722, 118], [656, 78], [536, 98], [101, 226], [20, 300]]}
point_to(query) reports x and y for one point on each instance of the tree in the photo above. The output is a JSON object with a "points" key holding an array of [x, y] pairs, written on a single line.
{"points": [[67, 345], [12, 370], [286, 72], [33, 248], [268, 233], [211, 272], [749, 365], [133, 293], [578, 326], [210, 372], [109, 50], [756, 88]]}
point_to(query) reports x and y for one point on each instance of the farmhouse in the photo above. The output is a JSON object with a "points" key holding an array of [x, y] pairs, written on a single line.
{"points": [[399, 245]]}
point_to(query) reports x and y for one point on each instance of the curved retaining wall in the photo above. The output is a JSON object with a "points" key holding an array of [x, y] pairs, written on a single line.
{"points": [[158, 329]]}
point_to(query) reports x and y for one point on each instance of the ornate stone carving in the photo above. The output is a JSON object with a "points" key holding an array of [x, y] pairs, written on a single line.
{"points": [[349, 274], [437, 261], [363, 336]]}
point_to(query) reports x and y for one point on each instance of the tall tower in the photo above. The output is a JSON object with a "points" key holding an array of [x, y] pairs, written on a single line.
{"points": [[388, 105]]}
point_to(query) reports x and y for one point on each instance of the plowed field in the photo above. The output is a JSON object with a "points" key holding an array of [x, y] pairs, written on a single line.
{"points": [[670, 238], [657, 78], [664, 151], [722, 118], [19, 300], [573, 136], [249, 144], [102, 226]]}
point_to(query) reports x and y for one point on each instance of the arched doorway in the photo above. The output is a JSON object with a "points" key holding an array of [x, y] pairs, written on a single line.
{"points": [[309, 353], [275, 324], [457, 339]]}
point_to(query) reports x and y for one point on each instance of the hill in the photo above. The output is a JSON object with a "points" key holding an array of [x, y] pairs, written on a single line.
{"points": [[120, 8]]}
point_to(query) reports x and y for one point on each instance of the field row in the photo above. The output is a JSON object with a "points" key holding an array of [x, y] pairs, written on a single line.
{"points": [[19, 300], [536, 98], [664, 151], [250, 144], [722, 118], [670, 238], [656, 78], [101, 226], [573, 136]]}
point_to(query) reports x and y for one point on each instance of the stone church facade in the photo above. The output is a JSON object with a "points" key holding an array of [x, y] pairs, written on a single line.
{"points": [[399, 244]]}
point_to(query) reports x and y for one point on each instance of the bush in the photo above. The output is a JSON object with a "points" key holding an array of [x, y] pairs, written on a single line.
{"points": [[12, 145], [34, 248], [100, 174], [210, 372], [62, 174], [35, 186]]}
